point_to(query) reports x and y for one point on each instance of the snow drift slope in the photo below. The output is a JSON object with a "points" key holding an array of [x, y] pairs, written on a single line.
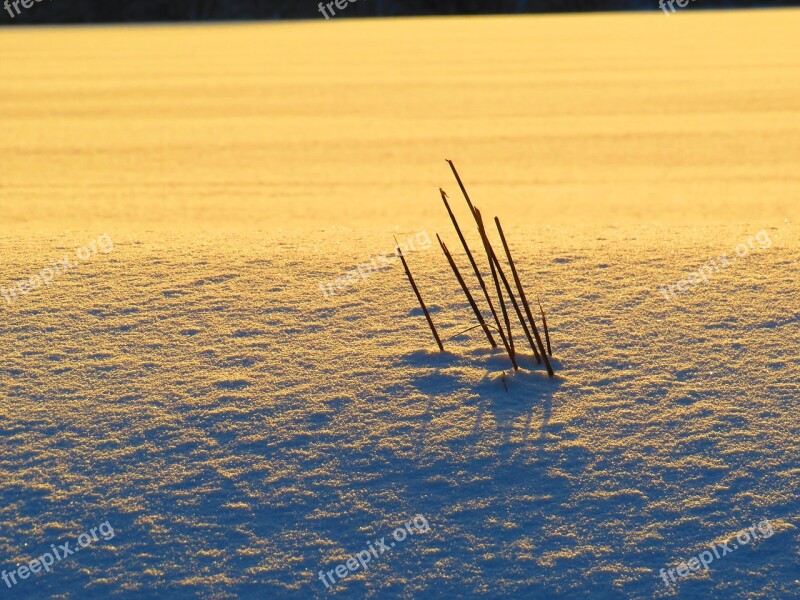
{"points": [[240, 433]]}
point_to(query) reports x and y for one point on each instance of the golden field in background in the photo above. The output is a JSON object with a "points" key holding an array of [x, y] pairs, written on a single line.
{"points": [[691, 118]]}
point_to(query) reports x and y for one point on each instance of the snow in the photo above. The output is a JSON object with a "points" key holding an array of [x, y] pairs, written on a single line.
{"points": [[241, 432]]}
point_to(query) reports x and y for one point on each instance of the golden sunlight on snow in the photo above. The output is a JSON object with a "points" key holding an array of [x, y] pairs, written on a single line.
{"points": [[211, 377], [561, 119]]}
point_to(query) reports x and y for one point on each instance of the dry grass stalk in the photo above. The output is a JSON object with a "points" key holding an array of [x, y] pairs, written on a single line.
{"points": [[546, 332], [495, 263], [492, 264], [492, 267], [524, 299], [419, 297], [467, 293], [508, 347], [461, 185], [494, 260]]}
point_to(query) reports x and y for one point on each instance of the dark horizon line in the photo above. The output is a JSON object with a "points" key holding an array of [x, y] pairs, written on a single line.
{"points": [[72, 16]]}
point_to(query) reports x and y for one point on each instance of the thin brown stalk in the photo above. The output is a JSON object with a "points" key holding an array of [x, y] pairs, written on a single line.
{"points": [[465, 289], [419, 297], [487, 247], [461, 185], [546, 332], [524, 298], [508, 348], [502, 302], [496, 264]]}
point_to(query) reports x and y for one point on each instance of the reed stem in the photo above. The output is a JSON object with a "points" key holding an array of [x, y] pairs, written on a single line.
{"points": [[523, 297], [480, 279], [419, 297], [470, 299]]}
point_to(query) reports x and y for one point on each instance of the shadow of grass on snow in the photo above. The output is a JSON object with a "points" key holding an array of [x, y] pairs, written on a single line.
{"points": [[507, 394]]}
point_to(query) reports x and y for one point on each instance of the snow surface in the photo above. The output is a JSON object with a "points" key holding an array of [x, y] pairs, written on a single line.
{"points": [[241, 432]]}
